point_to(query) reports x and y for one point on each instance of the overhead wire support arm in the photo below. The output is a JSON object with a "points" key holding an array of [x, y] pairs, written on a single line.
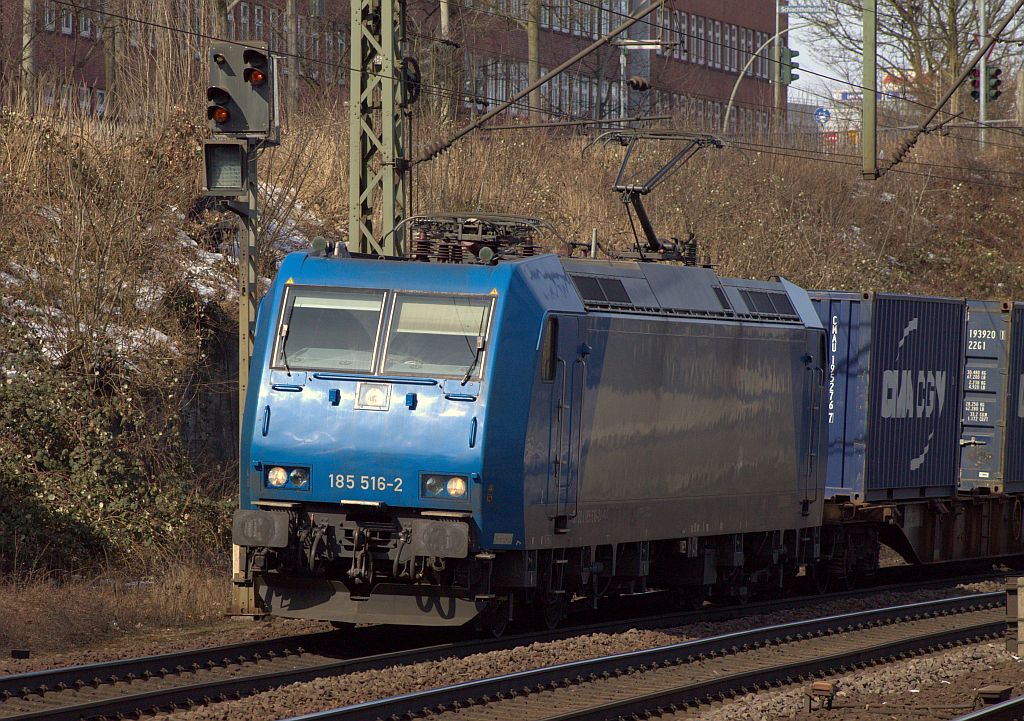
{"points": [[922, 127], [435, 149]]}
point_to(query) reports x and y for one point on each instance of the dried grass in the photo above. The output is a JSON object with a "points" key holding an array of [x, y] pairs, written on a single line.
{"points": [[45, 613]]}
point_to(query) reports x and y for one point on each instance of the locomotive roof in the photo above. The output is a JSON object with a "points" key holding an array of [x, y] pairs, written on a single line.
{"points": [[601, 285], [656, 288]]}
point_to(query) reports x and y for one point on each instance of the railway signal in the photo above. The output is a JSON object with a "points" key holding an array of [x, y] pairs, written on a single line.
{"points": [[242, 95], [243, 113]]}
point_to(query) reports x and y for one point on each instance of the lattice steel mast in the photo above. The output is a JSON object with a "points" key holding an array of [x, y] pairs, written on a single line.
{"points": [[378, 165]]}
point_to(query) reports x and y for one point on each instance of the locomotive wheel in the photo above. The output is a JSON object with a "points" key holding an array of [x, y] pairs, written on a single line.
{"points": [[686, 598], [494, 619], [550, 610]]}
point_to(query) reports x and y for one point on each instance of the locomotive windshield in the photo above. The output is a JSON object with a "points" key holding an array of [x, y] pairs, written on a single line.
{"points": [[329, 329], [437, 335]]}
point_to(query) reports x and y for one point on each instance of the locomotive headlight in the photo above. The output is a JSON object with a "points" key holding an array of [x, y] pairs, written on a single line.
{"points": [[298, 477], [373, 396], [434, 485], [456, 487], [444, 486], [277, 477]]}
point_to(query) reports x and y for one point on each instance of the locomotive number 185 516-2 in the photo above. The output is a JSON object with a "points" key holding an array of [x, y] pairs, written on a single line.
{"points": [[351, 481]]}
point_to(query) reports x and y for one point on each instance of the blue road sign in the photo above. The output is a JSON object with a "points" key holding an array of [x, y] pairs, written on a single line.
{"points": [[822, 115]]}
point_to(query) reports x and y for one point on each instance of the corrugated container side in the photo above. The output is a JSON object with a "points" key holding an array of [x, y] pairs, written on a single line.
{"points": [[1014, 456], [984, 396], [913, 419], [847, 321]]}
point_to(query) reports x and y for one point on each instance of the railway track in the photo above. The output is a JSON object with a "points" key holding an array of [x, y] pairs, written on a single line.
{"points": [[1011, 710], [200, 676], [669, 680]]}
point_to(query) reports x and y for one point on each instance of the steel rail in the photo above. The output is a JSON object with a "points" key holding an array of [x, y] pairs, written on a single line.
{"points": [[234, 670], [1010, 710], [596, 670]]}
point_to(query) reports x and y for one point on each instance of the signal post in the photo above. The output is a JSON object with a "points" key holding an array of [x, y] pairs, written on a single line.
{"points": [[244, 115]]}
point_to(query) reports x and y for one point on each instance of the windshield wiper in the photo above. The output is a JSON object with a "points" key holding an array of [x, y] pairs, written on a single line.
{"points": [[285, 327], [476, 359]]}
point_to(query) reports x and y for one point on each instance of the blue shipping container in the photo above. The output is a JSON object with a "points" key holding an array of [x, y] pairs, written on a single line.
{"points": [[984, 396], [1013, 474], [847, 321], [893, 394]]}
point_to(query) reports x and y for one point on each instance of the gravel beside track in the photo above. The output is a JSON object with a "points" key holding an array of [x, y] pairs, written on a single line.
{"points": [[326, 693], [666, 679], [478, 659], [167, 640], [934, 686]]}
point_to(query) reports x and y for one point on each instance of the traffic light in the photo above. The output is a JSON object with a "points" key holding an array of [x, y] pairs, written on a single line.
{"points": [[787, 76], [990, 85], [241, 97], [638, 82], [993, 82]]}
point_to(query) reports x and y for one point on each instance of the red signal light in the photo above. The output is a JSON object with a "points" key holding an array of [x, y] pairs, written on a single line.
{"points": [[257, 76], [221, 115]]}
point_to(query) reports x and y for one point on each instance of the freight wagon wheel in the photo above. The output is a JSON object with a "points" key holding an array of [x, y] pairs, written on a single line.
{"points": [[819, 578], [842, 570], [686, 598]]}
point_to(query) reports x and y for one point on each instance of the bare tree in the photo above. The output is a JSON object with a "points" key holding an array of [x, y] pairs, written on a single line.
{"points": [[922, 44]]}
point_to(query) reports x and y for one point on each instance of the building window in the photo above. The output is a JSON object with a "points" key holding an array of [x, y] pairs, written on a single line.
{"points": [[101, 102], [718, 44], [751, 47], [734, 32], [50, 18], [257, 21], [231, 25], [243, 10], [699, 50], [682, 50], [50, 94], [84, 99], [759, 57], [84, 25], [66, 22]]}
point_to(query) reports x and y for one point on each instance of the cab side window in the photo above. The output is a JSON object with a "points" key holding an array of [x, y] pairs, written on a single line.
{"points": [[549, 350]]}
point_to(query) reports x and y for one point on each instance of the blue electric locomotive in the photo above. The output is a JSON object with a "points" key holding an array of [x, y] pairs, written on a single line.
{"points": [[426, 442]]}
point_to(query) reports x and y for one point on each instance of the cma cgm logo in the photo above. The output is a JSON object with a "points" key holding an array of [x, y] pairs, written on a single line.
{"points": [[909, 393], [913, 394]]}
